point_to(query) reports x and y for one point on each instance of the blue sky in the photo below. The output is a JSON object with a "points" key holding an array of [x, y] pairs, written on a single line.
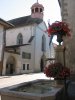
{"points": [[10, 9]]}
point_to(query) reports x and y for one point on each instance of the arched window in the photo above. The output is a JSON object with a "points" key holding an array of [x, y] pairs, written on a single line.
{"points": [[41, 10], [32, 10], [19, 39], [43, 43], [36, 9]]}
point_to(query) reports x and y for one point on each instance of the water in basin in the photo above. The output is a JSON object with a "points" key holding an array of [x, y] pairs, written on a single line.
{"points": [[37, 87]]}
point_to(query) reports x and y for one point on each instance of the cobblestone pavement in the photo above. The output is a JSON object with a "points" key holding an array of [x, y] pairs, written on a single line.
{"points": [[6, 81]]}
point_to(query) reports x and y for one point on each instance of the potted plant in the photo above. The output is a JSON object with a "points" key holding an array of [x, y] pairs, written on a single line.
{"points": [[57, 71], [60, 29]]}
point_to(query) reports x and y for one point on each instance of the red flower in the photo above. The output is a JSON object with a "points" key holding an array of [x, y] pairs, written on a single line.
{"points": [[59, 27], [56, 70]]}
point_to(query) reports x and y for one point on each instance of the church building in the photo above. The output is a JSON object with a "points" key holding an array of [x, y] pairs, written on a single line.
{"points": [[25, 44]]}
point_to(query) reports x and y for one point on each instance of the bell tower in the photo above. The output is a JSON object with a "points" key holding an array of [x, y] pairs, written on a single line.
{"points": [[37, 10]]}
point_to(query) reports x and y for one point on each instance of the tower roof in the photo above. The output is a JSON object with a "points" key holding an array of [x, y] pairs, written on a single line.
{"points": [[37, 10], [37, 5]]}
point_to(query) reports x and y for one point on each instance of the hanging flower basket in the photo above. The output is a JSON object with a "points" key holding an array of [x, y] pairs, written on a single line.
{"points": [[60, 29]]}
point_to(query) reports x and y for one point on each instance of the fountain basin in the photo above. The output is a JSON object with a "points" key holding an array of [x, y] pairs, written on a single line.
{"points": [[34, 90]]}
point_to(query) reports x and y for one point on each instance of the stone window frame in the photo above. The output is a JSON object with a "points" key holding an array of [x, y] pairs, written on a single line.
{"points": [[19, 39], [28, 67], [26, 55], [24, 66], [32, 10], [36, 9], [41, 10]]}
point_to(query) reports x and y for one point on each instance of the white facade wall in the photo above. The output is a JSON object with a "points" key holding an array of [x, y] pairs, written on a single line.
{"points": [[27, 49], [27, 32], [40, 30], [52, 50], [35, 47], [11, 34]]}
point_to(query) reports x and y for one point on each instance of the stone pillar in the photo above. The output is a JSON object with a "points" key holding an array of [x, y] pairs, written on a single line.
{"points": [[60, 54], [70, 53]]}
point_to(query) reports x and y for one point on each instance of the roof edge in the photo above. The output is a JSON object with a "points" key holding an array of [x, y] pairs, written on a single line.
{"points": [[6, 24], [11, 46]]}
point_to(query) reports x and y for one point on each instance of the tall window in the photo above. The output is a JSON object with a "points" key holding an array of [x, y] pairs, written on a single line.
{"points": [[23, 66], [32, 10], [36, 9], [41, 10], [19, 39], [43, 43], [27, 66]]}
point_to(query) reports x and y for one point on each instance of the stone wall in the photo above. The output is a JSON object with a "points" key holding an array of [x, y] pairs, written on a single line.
{"points": [[60, 54], [68, 15]]}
